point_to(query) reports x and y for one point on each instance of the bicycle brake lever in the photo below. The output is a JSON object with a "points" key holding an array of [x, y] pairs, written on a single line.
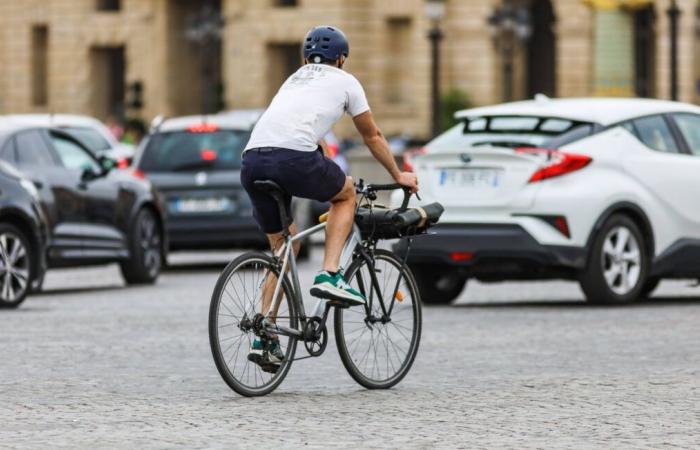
{"points": [[418, 196]]}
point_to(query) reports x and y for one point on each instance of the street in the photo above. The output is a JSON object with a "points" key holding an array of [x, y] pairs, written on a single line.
{"points": [[92, 364]]}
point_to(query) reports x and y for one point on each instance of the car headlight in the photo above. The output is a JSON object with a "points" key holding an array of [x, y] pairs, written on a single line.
{"points": [[29, 187]]}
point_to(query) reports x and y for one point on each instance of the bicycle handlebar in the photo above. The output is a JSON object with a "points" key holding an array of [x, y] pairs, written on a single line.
{"points": [[371, 188]]}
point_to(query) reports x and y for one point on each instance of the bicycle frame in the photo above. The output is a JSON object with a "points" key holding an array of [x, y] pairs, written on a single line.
{"points": [[286, 255]]}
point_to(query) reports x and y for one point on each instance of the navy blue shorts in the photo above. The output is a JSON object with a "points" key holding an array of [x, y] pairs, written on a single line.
{"points": [[302, 174]]}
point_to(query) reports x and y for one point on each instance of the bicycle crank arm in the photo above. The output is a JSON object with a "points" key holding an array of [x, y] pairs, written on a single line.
{"points": [[273, 328]]}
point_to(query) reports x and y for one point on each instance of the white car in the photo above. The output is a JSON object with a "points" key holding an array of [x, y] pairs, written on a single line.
{"points": [[88, 130], [603, 191]]}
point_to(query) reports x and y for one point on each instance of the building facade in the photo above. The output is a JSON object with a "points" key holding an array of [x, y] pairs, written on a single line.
{"points": [[143, 58]]}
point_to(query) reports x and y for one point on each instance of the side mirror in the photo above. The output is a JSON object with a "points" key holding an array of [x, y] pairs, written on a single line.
{"points": [[107, 164], [88, 175]]}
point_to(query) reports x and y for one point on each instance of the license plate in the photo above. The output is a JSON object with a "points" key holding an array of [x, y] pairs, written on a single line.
{"points": [[200, 205], [471, 178]]}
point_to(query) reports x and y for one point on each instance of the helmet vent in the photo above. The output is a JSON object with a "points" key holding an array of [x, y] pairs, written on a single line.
{"points": [[326, 39]]}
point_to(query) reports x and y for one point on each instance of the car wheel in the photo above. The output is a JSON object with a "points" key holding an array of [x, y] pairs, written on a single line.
{"points": [[649, 287], [438, 285], [618, 263], [145, 260], [15, 266]]}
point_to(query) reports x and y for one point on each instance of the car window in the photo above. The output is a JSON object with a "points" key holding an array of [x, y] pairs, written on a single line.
{"points": [[90, 138], [689, 125], [32, 150], [72, 155], [528, 131], [8, 152], [194, 150], [655, 133]]}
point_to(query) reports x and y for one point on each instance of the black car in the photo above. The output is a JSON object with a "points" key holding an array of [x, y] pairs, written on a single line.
{"points": [[94, 214], [195, 163], [22, 236]]}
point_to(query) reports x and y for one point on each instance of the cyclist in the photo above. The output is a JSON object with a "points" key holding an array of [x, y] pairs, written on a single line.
{"points": [[286, 147]]}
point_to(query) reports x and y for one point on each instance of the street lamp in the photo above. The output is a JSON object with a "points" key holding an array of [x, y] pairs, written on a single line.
{"points": [[673, 15], [509, 24], [205, 29], [435, 11]]}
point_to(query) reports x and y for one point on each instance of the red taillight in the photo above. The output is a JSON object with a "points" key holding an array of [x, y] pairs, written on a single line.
{"points": [[332, 150], [139, 174], [557, 163], [408, 157], [208, 154], [123, 163], [461, 256], [203, 128], [562, 226]]}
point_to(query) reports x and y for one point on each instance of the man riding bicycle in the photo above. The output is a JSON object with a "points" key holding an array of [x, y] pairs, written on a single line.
{"points": [[286, 147]]}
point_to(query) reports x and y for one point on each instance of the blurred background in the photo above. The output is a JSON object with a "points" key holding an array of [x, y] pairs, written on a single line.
{"points": [[131, 60]]}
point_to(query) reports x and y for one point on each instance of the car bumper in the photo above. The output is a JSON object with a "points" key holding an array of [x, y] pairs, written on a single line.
{"points": [[492, 251], [194, 233]]}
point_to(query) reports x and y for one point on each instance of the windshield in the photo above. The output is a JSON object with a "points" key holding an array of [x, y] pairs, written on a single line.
{"points": [[194, 151], [91, 138], [512, 132]]}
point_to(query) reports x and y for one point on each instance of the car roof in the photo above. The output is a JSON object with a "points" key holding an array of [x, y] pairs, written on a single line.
{"points": [[55, 120], [242, 119], [605, 111]]}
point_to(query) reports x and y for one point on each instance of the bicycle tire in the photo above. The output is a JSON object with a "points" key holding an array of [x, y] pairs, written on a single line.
{"points": [[264, 262], [351, 363]]}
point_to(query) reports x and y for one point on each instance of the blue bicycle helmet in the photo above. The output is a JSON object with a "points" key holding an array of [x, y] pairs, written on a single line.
{"points": [[325, 44]]}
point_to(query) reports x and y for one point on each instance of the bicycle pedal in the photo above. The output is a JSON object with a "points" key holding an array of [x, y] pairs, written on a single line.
{"points": [[264, 365]]}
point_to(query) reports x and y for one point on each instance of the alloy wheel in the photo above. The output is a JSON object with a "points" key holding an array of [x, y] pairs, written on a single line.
{"points": [[621, 260], [150, 244], [14, 267]]}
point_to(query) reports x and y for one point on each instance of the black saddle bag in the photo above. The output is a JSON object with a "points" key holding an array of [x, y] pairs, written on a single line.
{"points": [[383, 223]]}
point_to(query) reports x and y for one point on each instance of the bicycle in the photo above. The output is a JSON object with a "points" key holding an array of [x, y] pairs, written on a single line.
{"points": [[377, 342]]}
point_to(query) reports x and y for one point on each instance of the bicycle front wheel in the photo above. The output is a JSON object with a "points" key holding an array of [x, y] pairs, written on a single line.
{"points": [[378, 342], [236, 300]]}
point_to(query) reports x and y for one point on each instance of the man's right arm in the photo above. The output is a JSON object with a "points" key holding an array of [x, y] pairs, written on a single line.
{"points": [[377, 144]]}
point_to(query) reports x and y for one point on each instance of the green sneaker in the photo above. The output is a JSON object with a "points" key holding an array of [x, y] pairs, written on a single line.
{"points": [[269, 360], [336, 288]]}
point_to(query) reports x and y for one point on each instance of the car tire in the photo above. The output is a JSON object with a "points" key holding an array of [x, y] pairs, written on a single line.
{"points": [[618, 263], [37, 284], [17, 264], [649, 287], [438, 285], [145, 250]]}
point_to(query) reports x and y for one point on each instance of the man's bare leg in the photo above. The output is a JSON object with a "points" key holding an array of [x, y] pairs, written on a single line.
{"points": [[339, 224], [276, 242]]}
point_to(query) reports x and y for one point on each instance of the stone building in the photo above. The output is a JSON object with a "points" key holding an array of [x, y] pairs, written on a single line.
{"points": [[142, 58]]}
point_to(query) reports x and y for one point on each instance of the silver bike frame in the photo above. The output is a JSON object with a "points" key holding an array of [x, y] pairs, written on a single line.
{"points": [[289, 260]]}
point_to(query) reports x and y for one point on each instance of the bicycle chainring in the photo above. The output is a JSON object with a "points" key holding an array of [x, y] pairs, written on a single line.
{"points": [[315, 336]]}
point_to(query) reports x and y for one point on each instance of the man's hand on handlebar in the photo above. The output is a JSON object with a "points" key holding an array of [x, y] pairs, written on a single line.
{"points": [[408, 179]]}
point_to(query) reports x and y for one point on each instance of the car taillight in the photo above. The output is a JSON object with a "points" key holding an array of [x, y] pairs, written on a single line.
{"points": [[123, 163], [203, 128], [408, 158], [557, 163], [461, 256], [208, 154], [139, 174]]}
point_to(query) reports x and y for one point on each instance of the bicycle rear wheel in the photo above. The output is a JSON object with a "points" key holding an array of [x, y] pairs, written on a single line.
{"points": [[237, 298], [378, 349]]}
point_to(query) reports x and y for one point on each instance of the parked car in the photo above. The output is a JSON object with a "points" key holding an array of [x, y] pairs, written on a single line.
{"points": [[92, 133], [22, 236], [94, 215], [195, 163], [603, 191]]}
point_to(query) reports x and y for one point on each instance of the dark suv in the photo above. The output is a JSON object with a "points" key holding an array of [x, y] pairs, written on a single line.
{"points": [[22, 236], [94, 214]]}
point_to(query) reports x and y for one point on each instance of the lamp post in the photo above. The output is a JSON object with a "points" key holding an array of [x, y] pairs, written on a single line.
{"points": [[673, 15], [435, 11], [205, 29], [509, 25]]}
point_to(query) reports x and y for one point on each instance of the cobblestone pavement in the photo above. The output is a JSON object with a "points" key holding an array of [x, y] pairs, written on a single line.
{"points": [[92, 364]]}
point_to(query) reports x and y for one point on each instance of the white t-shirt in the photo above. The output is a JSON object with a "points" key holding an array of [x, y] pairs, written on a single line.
{"points": [[307, 105]]}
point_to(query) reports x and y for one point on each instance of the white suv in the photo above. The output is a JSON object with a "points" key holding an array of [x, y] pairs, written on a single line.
{"points": [[603, 191]]}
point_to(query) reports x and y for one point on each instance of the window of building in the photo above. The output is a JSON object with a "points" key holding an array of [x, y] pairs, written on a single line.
{"points": [[108, 5], [398, 52], [286, 2], [40, 79], [284, 60]]}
